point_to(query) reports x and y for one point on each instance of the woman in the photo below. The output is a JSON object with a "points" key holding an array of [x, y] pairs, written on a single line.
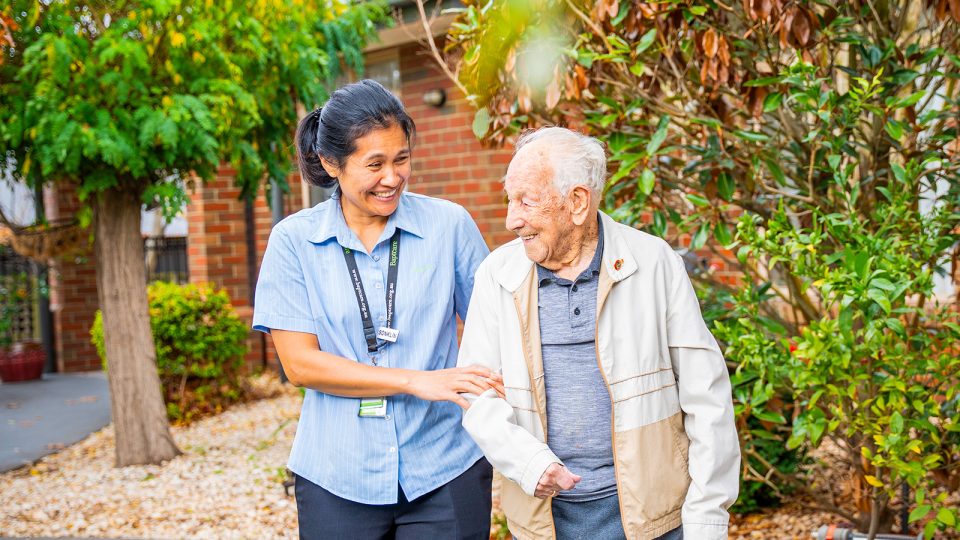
{"points": [[361, 295]]}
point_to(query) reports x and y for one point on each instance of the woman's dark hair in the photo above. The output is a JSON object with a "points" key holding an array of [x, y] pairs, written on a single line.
{"points": [[332, 131]]}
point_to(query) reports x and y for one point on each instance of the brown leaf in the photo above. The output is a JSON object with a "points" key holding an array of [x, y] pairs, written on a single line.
{"points": [[704, 71], [785, 23], [724, 50], [613, 8], [572, 88], [523, 99], [709, 42], [755, 97], [802, 29], [941, 9], [955, 9], [553, 92], [511, 61], [582, 80]]}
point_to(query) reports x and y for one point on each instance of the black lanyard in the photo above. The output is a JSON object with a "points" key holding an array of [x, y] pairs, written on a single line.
{"points": [[369, 333]]}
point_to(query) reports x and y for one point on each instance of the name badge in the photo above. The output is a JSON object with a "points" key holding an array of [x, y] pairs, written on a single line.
{"points": [[373, 407], [388, 334]]}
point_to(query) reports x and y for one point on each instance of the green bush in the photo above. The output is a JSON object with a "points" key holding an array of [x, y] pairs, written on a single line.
{"points": [[200, 344]]}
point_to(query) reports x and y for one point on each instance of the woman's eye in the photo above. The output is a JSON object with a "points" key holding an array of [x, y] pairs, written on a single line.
{"points": [[402, 159], [375, 165]]}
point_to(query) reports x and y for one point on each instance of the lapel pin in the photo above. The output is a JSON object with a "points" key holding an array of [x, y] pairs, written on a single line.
{"points": [[618, 264]]}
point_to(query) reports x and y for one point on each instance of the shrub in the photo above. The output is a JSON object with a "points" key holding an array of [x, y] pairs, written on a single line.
{"points": [[200, 344]]}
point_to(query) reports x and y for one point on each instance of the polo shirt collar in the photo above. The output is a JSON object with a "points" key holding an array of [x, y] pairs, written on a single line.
{"points": [[332, 224]]}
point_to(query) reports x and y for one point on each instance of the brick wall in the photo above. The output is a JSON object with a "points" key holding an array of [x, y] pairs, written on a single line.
{"points": [[73, 294]]}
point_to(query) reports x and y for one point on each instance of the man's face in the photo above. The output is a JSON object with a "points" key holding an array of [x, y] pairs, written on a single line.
{"points": [[536, 212]]}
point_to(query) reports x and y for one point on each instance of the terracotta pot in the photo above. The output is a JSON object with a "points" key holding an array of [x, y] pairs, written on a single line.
{"points": [[22, 362]]}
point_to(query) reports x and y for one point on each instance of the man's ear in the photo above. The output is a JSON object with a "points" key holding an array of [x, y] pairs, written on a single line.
{"points": [[581, 200], [331, 169]]}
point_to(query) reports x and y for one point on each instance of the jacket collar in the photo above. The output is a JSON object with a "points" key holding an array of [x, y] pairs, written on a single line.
{"points": [[332, 224], [617, 258]]}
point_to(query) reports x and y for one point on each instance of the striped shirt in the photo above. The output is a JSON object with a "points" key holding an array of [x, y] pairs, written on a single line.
{"points": [[304, 286]]}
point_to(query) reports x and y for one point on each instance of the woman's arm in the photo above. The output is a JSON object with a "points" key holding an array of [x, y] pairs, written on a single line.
{"points": [[306, 365]]}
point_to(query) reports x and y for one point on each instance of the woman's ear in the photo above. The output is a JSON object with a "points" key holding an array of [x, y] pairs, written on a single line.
{"points": [[331, 169]]}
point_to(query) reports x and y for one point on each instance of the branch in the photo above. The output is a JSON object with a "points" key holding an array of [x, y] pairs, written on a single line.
{"points": [[436, 53]]}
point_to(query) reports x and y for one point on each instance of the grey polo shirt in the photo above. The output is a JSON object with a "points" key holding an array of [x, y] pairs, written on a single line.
{"points": [[578, 404]]}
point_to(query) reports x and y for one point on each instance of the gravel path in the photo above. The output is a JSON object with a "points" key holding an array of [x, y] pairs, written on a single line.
{"points": [[226, 485]]}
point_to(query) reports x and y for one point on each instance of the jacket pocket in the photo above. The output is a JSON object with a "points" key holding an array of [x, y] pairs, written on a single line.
{"points": [[652, 471], [527, 517]]}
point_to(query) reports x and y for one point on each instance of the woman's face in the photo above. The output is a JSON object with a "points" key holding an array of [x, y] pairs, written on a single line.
{"points": [[375, 174]]}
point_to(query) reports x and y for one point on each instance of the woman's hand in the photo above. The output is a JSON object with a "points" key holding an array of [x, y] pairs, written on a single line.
{"points": [[448, 384]]}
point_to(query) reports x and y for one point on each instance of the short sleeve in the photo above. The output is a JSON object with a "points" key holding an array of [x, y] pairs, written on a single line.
{"points": [[471, 251], [281, 301]]}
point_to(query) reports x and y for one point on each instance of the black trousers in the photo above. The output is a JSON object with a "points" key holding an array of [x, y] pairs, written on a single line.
{"points": [[460, 509]]}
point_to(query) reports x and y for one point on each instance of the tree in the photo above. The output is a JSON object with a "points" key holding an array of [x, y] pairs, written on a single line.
{"points": [[128, 101], [816, 139]]}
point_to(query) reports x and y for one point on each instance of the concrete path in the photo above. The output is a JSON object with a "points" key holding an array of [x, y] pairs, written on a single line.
{"points": [[41, 417]]}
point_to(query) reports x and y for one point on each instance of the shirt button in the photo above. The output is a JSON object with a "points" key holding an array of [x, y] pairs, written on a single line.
{"points": [[382, 318], [393, 449], [576, 311], [379, 286], [376, 258], [574, 288], [387, 417]]}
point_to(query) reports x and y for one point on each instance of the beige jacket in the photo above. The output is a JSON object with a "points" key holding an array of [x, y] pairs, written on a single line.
{"points": [[675, 447]]}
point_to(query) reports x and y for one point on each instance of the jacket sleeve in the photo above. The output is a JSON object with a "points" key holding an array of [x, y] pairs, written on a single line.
{"points": [[707, 403], [491, 421]]}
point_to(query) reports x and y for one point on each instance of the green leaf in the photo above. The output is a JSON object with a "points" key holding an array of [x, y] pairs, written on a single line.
{"points": [[751, 135], [896, 422], [658, 136], [722, 234], [919, 513], [894, 129], [481, 123], [877, 296], [763, 81], [912, 99], [726, 186], [772, 102], [646, 40], [776, 172], [700, 237], [947, 517], [698, 200], [647, 182], [881, 283], [770, 416], [698, 10]]}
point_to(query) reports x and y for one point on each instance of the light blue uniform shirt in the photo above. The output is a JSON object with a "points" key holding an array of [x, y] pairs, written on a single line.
{"points": [[304, 287]]}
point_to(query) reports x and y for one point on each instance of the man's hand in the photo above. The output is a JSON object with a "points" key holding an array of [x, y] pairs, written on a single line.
{"points": [[555, 479]]}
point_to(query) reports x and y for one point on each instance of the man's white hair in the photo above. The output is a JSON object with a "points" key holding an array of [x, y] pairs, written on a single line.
{"points": [[575, 158]]}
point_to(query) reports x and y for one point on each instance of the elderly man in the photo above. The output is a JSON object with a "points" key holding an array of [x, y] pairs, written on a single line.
{"points": [[617, 420]]}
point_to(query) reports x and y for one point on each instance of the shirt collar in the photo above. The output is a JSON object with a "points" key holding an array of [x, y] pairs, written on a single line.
{"points": [[333, 225], [545, 276]]}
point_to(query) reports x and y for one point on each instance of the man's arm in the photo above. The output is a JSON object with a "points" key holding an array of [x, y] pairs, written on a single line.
{"points": [[490, 420], [706, 400]]}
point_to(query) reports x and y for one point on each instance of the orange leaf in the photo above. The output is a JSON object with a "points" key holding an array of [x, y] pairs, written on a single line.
{"points": [[709, 42]]}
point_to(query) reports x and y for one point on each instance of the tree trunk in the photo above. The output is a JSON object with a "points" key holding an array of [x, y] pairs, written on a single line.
{"points": [[139, 415]]}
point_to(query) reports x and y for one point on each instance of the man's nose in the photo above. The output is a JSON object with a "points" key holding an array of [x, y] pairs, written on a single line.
{"points": [[514, 221]]}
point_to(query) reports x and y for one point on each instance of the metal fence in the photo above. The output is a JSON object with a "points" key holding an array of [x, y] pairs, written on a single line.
{"points": [[166, 259], [20, 287]]}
